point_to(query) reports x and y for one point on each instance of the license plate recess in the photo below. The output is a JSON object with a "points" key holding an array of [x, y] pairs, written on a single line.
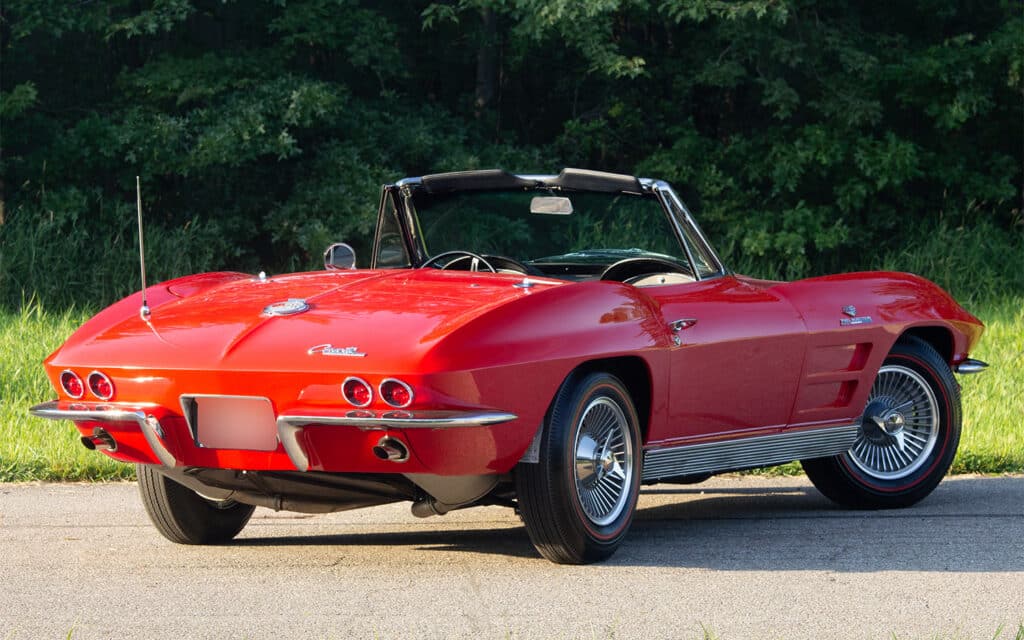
{"points": [[231, 422]]}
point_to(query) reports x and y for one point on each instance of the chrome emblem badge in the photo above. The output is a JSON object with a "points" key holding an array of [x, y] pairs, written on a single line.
{"points": [[288, 307], [853, 318], [330, 350]]}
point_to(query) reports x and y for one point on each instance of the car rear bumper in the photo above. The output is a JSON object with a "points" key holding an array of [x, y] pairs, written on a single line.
{"points": [[440, 442]]}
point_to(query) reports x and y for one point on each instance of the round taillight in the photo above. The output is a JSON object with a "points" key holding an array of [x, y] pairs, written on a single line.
{"points": [[357, 392], [72, 384], [396, 393], [101, 386]]}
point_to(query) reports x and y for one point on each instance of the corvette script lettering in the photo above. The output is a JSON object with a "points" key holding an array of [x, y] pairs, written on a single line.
{"points": [[329, 350]]}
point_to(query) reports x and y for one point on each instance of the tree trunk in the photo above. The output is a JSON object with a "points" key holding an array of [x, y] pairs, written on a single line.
{"points": [[487, 61]]}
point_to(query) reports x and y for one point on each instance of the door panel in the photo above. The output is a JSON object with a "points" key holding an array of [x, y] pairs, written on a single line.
{"points": [[737, 364]]}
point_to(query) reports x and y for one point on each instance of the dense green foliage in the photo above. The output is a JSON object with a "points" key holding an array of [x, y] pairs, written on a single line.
{"points": [[808, 136]]}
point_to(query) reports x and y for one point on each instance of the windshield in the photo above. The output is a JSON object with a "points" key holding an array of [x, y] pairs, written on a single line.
{"points": [[589, 232]]}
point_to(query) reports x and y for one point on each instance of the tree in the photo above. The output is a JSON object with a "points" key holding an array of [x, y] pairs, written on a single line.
{"points": [[808, 135]]}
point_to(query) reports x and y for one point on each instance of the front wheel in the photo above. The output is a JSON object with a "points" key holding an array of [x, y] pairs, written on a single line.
{"points": [[578, 500], [183, 516], [908, 436]]}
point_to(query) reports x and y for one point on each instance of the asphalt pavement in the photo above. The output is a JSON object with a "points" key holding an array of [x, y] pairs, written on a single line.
{"points": [[738, 557]]}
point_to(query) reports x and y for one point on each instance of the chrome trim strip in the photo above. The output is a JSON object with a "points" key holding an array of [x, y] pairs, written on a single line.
{"points": [[745, 453], [50, 411], [150, 426], [289, 426], [403, 419], [665, 187], [660, 190], [970, 366]]}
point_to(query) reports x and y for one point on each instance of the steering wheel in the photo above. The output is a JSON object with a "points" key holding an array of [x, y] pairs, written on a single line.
{"points": [[475, 261], [624, 270], [504, 264]]}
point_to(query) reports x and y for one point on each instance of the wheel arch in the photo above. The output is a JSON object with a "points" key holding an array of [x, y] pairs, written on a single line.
{"points": [[635, 373], [939, 338]]}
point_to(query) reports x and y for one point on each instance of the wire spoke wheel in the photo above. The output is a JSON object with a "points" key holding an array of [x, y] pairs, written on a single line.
{"points": [[604, 461], [908, 434], [577, 501], [900, 427]]}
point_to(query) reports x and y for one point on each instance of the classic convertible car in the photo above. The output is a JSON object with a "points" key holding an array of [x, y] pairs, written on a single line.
{"points": [[545, 342]]}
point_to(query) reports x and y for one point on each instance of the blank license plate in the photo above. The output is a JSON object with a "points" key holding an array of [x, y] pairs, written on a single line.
{"points": [[235, 422]]}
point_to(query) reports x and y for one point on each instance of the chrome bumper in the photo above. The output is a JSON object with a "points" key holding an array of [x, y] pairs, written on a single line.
{"points": [[148, 425], [288, 426]]}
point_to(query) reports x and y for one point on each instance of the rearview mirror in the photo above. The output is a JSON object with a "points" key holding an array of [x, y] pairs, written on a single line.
{"points": [[340, 256], [551, 205]]}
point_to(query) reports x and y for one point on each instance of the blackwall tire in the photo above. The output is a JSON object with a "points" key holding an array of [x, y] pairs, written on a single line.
{"points": [[578, 500], [183, 516], [908, 437]]}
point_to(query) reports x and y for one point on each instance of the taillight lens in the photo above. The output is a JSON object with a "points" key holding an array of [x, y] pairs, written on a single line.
{"points": [[396, 393], [72, 384], [101, 386], [357, 392]]}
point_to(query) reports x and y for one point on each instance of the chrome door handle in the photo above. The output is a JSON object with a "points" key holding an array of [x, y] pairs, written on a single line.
{"points": [[681, 324]]}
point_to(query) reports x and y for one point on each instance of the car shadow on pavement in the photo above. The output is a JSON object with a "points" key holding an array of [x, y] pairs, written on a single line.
{"points": [[969, 525], [505, 541], [966, 525]]}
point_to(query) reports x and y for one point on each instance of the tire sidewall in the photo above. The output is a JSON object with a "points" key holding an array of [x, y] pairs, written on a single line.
{"points": [[565, 419]]}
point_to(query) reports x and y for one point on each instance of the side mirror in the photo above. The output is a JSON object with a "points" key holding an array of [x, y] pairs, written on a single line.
{"points": [[340, 256]]}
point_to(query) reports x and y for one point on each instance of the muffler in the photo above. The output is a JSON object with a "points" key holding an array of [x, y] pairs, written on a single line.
{"points": [[100, 440]]}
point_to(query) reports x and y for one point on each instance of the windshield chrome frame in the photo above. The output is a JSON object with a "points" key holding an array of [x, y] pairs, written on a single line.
{"points": [[687, 231], [673, 203]]}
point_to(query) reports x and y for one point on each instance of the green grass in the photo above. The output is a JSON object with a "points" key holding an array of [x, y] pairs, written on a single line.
{"points": [[993, 432], [33, 448], [37, 449]]}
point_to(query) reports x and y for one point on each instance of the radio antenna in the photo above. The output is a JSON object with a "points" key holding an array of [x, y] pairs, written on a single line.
{"points": [[144, 311]]}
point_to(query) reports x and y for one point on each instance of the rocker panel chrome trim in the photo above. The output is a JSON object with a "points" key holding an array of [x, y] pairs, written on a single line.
{"points": [[744, 453]]}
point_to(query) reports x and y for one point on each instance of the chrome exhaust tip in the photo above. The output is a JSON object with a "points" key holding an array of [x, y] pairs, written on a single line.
{"points": [[100, 440], [970, 366], [391, 449]]}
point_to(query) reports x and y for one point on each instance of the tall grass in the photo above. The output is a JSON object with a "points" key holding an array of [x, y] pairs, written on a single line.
{"points": [[59, 255], [979, 264], [33, 448], [993, 431]]}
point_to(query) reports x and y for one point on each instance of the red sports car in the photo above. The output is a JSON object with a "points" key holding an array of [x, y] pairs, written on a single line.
{"points": [[545, 342]]}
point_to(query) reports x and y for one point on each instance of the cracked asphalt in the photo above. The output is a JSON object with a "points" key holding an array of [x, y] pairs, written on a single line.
{"points": [[742, 557]]}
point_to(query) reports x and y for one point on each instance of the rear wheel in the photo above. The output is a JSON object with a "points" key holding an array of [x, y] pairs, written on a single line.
{"points": [[183, 516], [908, 436], [578, 500]]}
